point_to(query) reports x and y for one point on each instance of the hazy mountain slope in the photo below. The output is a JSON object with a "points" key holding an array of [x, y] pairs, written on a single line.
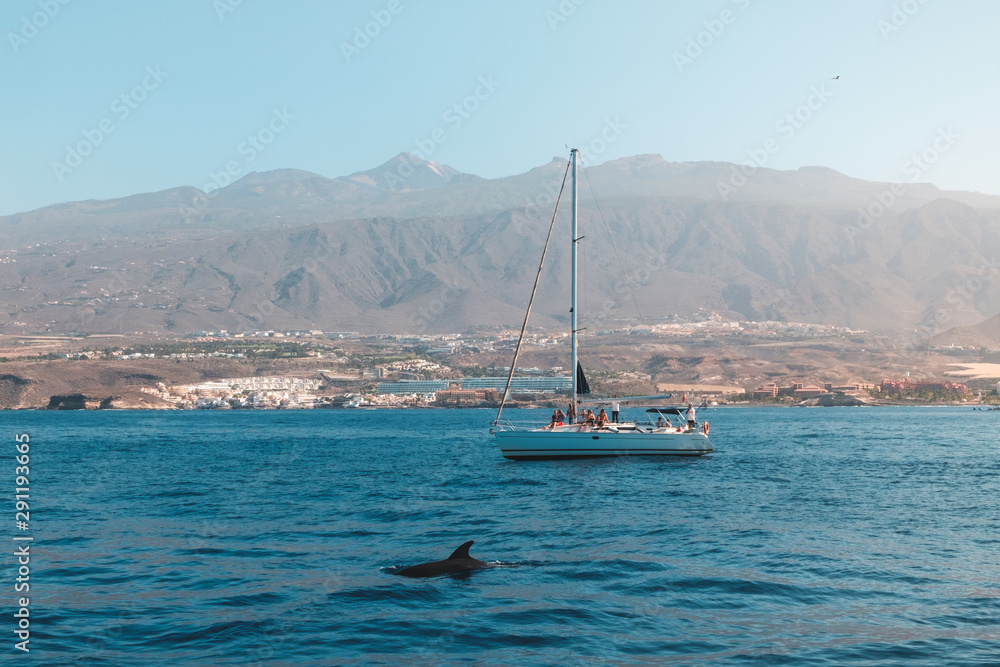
{"points": [[289, 197], [292, 249]]}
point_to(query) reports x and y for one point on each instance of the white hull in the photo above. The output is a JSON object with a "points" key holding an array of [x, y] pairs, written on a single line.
{"points": [[569, 443]]}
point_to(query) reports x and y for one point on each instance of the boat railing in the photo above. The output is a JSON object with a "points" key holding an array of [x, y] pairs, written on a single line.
{"points": [[507, 425], [625, 427], [537, 425]]}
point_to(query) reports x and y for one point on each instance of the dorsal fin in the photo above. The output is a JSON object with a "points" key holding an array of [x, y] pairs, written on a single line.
{"points": [[462, 551]]}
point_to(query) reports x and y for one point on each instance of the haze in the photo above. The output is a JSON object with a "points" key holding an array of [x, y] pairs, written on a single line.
{"points": [[150, 96]]}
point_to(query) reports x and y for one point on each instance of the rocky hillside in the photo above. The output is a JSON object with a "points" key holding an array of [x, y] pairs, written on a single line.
{"points": [[417, 246]]}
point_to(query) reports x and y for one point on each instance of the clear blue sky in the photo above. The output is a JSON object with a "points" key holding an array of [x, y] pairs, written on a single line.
{"points": [[220, 75]]}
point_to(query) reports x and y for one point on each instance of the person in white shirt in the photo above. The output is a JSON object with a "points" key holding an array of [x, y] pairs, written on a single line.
{"points": [[615, 407], [692, 422]]}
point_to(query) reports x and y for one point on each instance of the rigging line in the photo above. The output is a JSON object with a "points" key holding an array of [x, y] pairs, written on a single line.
{"points": [[621, 266], [524, 326], [584, 293]]}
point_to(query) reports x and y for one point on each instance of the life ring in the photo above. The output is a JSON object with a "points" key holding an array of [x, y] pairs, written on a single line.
{"points": [[704, 428]]}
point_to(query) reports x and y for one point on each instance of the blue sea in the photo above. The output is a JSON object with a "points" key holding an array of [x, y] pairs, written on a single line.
{"points": [[830, 536]]}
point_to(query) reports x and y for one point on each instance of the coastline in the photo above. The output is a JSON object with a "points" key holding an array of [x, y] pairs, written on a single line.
{"points": [[322, 373], [378, 408]]}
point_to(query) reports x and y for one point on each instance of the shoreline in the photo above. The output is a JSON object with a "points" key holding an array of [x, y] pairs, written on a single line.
{"points": [[888, 404]]}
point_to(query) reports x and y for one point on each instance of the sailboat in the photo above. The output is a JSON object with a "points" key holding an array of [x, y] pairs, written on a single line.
{"points": [[569, 441]]}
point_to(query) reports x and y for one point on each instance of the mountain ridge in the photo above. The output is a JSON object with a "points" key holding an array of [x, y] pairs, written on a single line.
{"points": [[294, 249]]}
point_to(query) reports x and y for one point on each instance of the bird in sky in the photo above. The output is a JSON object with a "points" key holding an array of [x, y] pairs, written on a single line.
{"points": [[835, 78]]}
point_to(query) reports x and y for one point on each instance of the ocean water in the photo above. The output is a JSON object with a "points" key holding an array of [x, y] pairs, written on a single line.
{"points": [[812, 536]]}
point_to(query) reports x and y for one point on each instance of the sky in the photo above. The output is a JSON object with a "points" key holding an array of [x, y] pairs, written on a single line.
{"points": [[112, 98]]}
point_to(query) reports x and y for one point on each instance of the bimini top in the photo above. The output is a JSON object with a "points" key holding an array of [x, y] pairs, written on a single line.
{"points": [[667, 411]]}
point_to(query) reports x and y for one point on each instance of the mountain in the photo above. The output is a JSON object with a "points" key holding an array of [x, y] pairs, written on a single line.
{"points": [[406, 171], [983, 334], [414, 245]]}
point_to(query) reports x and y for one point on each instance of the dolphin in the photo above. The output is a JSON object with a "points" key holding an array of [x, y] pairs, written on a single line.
{"points": [[460, 561]]}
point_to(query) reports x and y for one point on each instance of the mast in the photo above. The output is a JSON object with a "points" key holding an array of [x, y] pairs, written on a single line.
{"points": [[527, 313], [572, 307]]}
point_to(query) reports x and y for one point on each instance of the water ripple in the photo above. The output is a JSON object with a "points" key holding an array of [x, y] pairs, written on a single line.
{"points": [[271, 538]]}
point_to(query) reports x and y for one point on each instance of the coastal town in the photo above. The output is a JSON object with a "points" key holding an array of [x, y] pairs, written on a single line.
{"points": [[693, 359], [278, 392]]}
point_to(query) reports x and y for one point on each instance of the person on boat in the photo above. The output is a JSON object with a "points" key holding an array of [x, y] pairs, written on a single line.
{"points": [[602, 419], [571, 413], [555, 420], [616, 406], [690, 414], [560, 417]]}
